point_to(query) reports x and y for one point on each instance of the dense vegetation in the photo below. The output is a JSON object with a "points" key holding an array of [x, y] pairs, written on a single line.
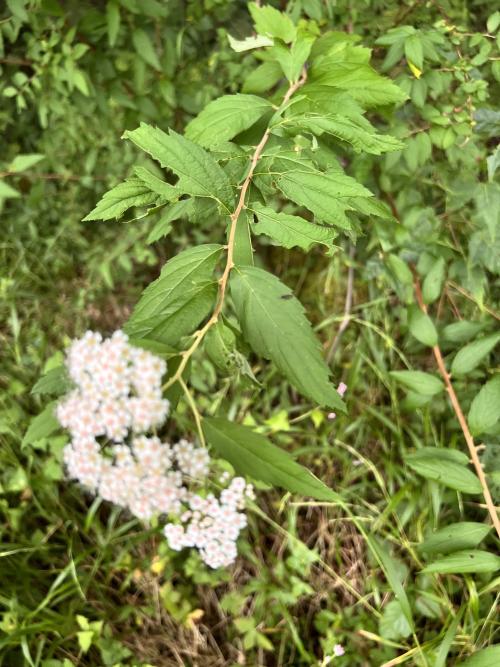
{"points": [[354, 171]]}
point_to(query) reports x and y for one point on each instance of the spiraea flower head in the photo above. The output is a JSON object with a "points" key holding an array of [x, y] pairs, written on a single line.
{"points": [[115, 404]]}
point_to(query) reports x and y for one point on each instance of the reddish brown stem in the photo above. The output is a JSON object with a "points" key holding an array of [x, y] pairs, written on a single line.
{"points": [[462, 421]]}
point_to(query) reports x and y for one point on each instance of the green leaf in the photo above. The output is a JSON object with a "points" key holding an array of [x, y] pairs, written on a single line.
{"points": [[243, 251], [325, 195], [485, 409], [357, 132], [219, 345], [487, 657], [393, 624], [272, 23], [472, 354], [290, 230], [433, 282], [444, 647], [455, 537], [85, 638], [6, 192], [422, 327], [274, 324], [359, 80], [178, 209], [252, 454], [156, 184], [262, 78], [226, 117], [42, 425], [461, 332], [419, 382], [112, 21], [173, 305], [433, 463], [393, 575], [240, 45], [55, 381], [144, 48], [23, 162], [292, 59], [133, 192], [414, 51], [199, 174], [464, 562]]}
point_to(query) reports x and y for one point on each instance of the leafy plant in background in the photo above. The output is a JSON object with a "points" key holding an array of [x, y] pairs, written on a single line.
{"points": [[425, 242]]}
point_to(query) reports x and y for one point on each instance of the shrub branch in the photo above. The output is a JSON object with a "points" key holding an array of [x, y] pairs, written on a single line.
{"points": [[462, 421], [221, 294]]}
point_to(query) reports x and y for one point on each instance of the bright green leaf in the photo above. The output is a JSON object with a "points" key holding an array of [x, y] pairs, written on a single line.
{"points": [[433, 282], [487, 657], [272, 23], [133, 192], [437, 466], [226, 117], [42, 425], [422, 327]]}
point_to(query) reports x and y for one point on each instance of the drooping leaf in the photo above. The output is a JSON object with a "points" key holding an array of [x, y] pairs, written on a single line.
{"points": [[325, 195], [174, 304], [252, 454], [463, 562], [359, 133], [112, 21], [433, 463], [272, 23], [226, 117], [114, 203], [199, 174], [472, 354], [485, 409], [290, 230], [219, 346], [422, 327], [362, 82], [455, 537], [461, 332], [42, 425], [419, 382], [274, 323]]}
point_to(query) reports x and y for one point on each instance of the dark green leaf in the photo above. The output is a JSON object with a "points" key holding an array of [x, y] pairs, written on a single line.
{"points": [[422, 327], [252, 454], [55, 381], [419, 382], [42, 425], [437, 466], [472, 354], [274, 323], [463, 562], [133, 192], [456, 536], [199, 174]]}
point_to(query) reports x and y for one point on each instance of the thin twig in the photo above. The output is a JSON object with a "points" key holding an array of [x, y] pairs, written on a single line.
{"points": [[199, 335], [347, 308], [194, 410], [462, 421]]}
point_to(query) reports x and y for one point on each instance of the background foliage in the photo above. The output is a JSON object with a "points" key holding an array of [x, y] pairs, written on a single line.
{"points": [[84, 585]]}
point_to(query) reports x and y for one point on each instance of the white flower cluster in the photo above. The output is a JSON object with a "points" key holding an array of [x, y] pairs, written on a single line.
{"points": [[117, 400], [212, 525]]}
